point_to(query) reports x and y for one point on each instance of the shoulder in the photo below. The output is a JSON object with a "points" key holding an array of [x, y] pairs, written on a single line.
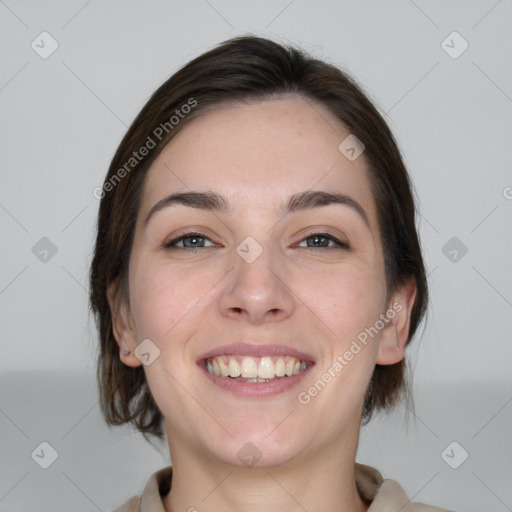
{"points": [[385, 494], [150, 500], [391, 493], [132, 505]]}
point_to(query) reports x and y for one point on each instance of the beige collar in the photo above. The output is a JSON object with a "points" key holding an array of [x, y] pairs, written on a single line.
{"points": [[383, 494]]}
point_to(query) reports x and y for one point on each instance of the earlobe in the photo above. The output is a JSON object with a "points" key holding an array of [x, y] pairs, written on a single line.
{"points": [[122, 326], [394, 336]]}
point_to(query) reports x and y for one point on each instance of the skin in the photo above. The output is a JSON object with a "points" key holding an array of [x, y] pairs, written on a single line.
{"points": [[315, 299]]}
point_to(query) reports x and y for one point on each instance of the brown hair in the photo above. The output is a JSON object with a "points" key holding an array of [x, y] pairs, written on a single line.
{"points": [[244, 68]]}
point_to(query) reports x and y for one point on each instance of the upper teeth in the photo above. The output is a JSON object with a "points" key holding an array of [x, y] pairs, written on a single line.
{"points": [[248, 367]]}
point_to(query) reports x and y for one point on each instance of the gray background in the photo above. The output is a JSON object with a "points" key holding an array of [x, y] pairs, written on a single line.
{"points": [[64, 115]]}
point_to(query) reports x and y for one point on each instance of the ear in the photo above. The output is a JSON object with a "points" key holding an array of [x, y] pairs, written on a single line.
{"points": [[394, 335], [122, 326]]}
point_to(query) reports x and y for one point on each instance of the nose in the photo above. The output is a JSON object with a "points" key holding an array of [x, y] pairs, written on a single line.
{"points": [[257, 292]]}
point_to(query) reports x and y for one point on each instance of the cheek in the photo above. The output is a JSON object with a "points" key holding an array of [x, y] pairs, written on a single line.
{"points": [[165, 301], [347, 301]]}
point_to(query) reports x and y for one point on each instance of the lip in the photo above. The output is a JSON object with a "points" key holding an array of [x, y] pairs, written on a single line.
{"points": [[255, 389]]}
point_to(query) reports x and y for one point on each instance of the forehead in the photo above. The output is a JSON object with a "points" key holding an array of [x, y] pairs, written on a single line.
{"points": [[258, 154]]}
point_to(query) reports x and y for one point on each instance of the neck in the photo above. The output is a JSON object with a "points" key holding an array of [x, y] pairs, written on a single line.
{"points": [[324, 481]]}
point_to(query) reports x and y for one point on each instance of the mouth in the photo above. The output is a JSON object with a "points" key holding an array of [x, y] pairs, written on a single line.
{"points": [[253, 371]]}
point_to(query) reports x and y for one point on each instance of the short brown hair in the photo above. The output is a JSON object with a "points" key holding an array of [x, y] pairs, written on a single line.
{"points": [[244, 68]]}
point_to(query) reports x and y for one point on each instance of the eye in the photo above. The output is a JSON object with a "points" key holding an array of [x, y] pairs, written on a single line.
{"points": [[322, 240], [189, 241]]}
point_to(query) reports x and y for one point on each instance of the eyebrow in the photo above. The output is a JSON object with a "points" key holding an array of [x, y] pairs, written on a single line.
{"points": [[212, 201]]}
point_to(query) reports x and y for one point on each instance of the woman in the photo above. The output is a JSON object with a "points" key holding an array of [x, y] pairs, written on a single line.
{"points": [[256, 278]]}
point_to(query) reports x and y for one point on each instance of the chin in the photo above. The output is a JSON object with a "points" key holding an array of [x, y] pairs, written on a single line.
{"points": [[256, 448]]}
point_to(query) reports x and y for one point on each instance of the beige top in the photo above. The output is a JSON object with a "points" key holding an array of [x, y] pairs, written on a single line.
{"points": [[384, 495]]}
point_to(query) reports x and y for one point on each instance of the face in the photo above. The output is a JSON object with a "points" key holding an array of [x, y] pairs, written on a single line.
{"points": [[256, 268]]}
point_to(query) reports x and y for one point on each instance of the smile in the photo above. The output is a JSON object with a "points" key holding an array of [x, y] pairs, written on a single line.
{"points": [[255, 369]]}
